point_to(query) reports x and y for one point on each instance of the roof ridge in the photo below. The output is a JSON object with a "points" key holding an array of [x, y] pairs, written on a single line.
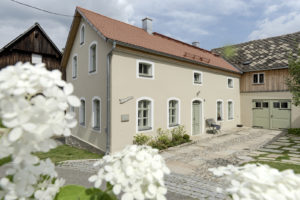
{"points": [[109, 18], [263, 39], [190, 45]]}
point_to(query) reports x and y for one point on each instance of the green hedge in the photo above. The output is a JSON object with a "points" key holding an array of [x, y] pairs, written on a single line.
{"points": [[164, 139]]}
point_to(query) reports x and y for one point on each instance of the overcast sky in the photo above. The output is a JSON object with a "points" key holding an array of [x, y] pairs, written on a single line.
{"points": [[214, 23]]}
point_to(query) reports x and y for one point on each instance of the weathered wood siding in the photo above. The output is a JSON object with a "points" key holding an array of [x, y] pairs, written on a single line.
{"points": [[275, 80], [33, 42]]}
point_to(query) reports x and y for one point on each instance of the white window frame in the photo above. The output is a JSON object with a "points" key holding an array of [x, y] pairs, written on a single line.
{"points": [[222, 116], [230, 100], [258, 82], [80, 113], [152, 114], [178, 112], [201, 77], [82, 38], [74, 77], [230, 78], [93, 114], [152, 69], [96, 60]]}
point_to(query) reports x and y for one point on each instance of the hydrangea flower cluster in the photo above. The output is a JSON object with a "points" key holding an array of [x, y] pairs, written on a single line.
{"points": [[33, 104], [260, 182], [137, 171]]}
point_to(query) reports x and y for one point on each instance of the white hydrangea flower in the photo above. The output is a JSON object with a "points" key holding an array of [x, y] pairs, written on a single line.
{"points": [[33, 104], [137, 171], [260, 182]]}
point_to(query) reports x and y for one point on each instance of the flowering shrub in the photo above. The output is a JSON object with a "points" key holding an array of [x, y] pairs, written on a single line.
{"points": [[260, 182], [33, 110], [33, 102], [137, 171]]}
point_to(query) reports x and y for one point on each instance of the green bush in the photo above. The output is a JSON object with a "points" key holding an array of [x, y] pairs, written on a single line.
{"points": [[186, 137], [164, 139], [294, 131], [141, 139]]}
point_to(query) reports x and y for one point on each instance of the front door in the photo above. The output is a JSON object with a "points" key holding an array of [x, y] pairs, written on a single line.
{"points": [[196, 124]]}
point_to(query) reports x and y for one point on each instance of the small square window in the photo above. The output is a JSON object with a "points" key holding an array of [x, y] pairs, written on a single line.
{"points": [[257, 104], [197, 78], [284, 105], [258, 78], [276, 105], [145, 70], [265, 104], [230, 83]]}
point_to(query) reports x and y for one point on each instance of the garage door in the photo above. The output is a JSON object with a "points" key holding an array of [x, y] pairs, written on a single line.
{"points": [[272, 114]]}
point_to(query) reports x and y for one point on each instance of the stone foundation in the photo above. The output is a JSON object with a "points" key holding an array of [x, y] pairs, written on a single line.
{"points": [[75, 142]]}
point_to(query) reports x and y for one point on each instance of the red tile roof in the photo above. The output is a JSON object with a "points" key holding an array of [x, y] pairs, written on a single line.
{"points": [[126, 33]]}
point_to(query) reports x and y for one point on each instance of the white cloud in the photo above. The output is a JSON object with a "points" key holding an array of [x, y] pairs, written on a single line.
{"points": [[281, 25], [271, 9]]}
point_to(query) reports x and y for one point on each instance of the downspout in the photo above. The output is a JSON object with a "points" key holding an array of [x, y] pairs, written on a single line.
{"points": [[108, 100]]}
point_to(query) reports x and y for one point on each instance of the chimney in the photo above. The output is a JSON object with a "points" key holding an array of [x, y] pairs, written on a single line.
{"points": [[196, 44], [147, 25]]}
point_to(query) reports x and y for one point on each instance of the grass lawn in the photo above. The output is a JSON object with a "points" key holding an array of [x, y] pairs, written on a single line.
{"points": [[65, 152], [280, 166]]}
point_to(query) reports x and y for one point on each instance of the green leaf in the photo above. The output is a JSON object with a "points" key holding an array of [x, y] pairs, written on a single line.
{"points": [[76, 192], [5, 160], [73, 192]]}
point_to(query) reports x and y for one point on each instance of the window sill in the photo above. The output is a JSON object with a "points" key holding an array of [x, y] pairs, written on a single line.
{"points": [[145, 129], [258, 83], [81, 124], [198, 83], [96, 129], [173, 125], [145, 76]]}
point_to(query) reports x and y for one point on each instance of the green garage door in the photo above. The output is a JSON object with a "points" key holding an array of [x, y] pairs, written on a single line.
{"points": [[272, 114]]}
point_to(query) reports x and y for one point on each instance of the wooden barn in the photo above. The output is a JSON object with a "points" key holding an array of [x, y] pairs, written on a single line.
{"points": [[34, 46]]}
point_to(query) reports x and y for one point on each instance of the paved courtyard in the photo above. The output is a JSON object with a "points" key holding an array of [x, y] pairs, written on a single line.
{"points": [[285, 149], [189, 163]]}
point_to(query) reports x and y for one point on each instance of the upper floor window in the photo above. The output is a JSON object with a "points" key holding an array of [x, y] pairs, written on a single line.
{"points": [[74, 67], [144, 115], [230, 110], [145, 69], [258, 78], [36, 58], [96, 106], [82, 112], [230, 82], [197, 77], [93, 58], [82, 32], [173, 113], [219, 110]]}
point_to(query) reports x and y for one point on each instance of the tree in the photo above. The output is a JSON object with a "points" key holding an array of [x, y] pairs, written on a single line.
{"points": [[293, 81]]}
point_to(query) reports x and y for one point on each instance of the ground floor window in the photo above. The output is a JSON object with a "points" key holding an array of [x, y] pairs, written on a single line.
{"points": [[230, 110], [219, 110], [173, 114], [96, 106], [144, 114], [82, 112]]}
